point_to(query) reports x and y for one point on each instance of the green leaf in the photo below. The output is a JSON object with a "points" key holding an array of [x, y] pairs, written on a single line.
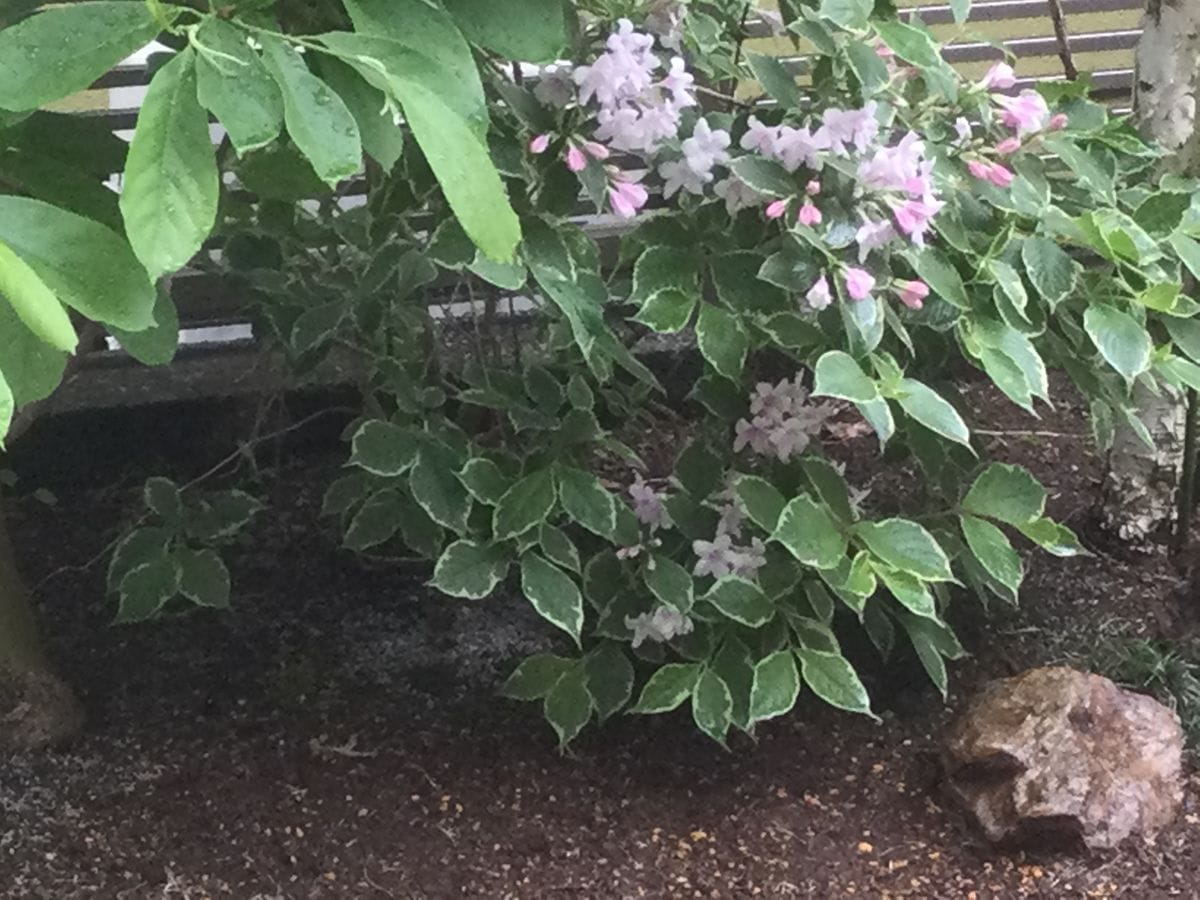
{"points": [[203, 578], [1185, 334], [667, 688], [722, 341], [162, 498], [830, 486], [484, 480], [712, 706], [553, 594], [869, 68], [586, 501], [669, 582], [7, 408], [158, 344], [765, 176], [1053, 538], [382, 137], [87, 266], [851, 14], [317, 119], [470, 570], [536, 676], [508, 275], [741, 600], [609, 679], [961, 10], [667, 311], [1188, 251], [559, 548], [1009, 281], [377, 521], [834, 680], [384, 449], [437, 490], [810, 534], [735, 277], [906, 546], [343, 494], [941, 276], [242, 94], [764, 504], [838, 375], [1049, 268], [1090, 173], [909, 590], [776, 686], [1006, 493], [568, 706], [918, 47], [775, 79], [526, 504], [933, 411], [140, 546], [64, 49], [1122, 342], [146, 589], [34, 303], [171, 185], [527, 30], [994, 552], [926, 644], [222, 515]]}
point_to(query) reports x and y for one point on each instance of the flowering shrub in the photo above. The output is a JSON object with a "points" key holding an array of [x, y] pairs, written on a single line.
{"points": [[862, 226]]}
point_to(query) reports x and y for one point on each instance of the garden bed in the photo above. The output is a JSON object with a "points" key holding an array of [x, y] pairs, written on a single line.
{"points": [[336, 735]]}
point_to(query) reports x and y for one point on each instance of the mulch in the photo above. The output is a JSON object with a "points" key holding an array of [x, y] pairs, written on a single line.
{"points": [[337, 734]]}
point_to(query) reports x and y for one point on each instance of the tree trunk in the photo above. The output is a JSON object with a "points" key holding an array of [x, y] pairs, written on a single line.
{"points": [[37, 709], [1139, 496]]}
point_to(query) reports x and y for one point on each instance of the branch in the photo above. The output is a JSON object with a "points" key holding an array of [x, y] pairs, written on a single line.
{"points": [[1060, 35]]}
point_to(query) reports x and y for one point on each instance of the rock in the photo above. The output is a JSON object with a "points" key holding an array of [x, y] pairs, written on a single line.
{"points": [[1060, 756]]}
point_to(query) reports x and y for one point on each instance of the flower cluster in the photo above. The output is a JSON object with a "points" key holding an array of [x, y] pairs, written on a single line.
{"points": [[1026, 114], [703, 151], [721, 557], [782, 420], [660, 626], [648, 505]]}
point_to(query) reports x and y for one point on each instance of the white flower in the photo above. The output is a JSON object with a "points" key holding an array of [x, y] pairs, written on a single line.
{"points": [[660, 626], [750, 559], [706, 148], [678, 175], [760, 138], [737, 195], [648, 506], [716, 557]]}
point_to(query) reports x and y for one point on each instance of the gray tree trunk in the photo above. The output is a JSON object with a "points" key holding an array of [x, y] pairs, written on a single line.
{"points": [[1141, 483]]}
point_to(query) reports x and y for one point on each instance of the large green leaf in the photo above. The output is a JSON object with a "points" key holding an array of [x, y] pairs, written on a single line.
{"points": [[156, 345], [838, 375], [712, 705], [933, 411], [34, 303], [536, 676], [908, 547], [809, 533], [171, 185], [1049, 268], [30, 366], [994, 551], [1122, 342], [235, 86], [469, 569], [669, 582], [64, 49], [318, 120], [204, 579], [722, 341], [776, 686], [436, 487], [834, 680], [7, 408], [382, 136], [741, 600], [526, 504], [553, 594], [383, 448], [609, 678], [1007, 493], [585, 500], [568, 706], [668, 688], [525, 30], [87, 266]]}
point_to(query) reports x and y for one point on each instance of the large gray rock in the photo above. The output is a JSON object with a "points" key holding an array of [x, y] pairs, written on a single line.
{"points": [[1057, 755]]}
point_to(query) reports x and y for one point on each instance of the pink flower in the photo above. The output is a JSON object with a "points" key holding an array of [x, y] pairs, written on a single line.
{"points": [[913, 293], [859, 283], [795, 147], [872, 235], [539, 144], [980, 169], [576, 161], [776, 209], [626, 196], [913, 217], [1025, 112], [809, 215], [813, 188], [1008, 146], [1057, 122], [760, 138], [1000, 176], [818, 295], [883, 51], [849, 126], [999, 77], [595, 150]]}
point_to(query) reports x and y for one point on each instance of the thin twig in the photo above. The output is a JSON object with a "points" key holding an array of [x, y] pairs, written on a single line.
{"points": [[1064, 44], [732, 101], [231, 458], [1025, 433]]}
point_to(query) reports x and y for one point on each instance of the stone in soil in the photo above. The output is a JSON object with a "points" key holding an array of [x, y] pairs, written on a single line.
{"points": [[1061, 756]]}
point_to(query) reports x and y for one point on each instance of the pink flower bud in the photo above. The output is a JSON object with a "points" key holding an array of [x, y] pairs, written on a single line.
{"points": [[1057, 122], [883, 51], [809, 215], [1008, 146], [595, 150], [626, 196], [539, 144], [576, 161], [813, 188], [1000, 176], [776, 209], [818, 295], [913, 293], [859, 283], [979, 169], [1000, 77]]}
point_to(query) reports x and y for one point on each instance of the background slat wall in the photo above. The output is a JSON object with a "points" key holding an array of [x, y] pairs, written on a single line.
{"points": [[1102, 34]]}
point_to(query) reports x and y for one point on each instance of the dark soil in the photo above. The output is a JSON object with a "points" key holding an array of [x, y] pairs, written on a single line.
{"points": [[337, 735]]}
